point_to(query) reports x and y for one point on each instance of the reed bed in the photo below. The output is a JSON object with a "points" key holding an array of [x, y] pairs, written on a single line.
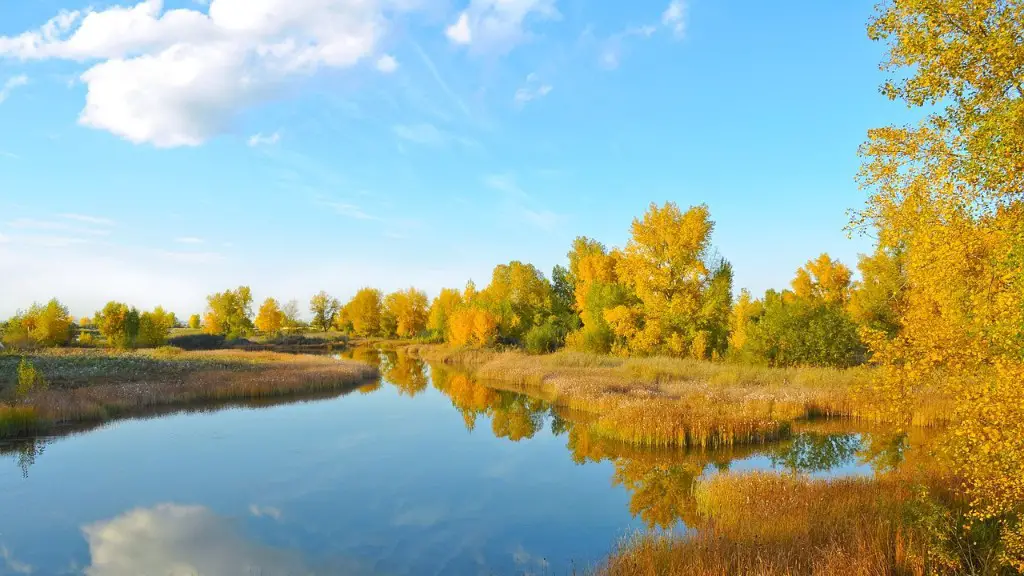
{"points": [[95, 386], [769, 524], [680, 402]]}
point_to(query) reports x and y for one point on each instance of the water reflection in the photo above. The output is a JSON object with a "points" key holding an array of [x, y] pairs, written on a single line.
{"points": [[407, 510], [172, 539]]}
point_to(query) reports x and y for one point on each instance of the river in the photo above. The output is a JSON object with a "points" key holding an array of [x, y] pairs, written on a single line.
{"points": [[426, 472]]}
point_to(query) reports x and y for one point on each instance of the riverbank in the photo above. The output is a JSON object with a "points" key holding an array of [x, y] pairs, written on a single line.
{"points": [[91, 385], [679, 402]]}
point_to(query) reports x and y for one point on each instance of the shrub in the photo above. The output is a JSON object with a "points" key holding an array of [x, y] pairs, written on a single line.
{"points": [[198, 341], [544, 338], [29, 379]]}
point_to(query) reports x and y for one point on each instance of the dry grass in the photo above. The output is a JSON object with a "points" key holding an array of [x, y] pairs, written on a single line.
{"points": [[98, 385], [678, 402], [770, 524]]}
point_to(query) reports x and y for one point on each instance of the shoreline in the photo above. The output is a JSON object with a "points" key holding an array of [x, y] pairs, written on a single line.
{"points": [[679, 403], [97, 386]]}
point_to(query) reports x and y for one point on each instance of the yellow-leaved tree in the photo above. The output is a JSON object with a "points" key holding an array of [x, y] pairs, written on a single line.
{"points": [[946, 194], [363, 312], [682, 294], [441, 310], [408, 308], [823, 279], [270, 318]]}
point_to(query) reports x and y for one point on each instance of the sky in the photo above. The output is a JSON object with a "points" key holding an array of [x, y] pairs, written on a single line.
{"points": [[156, 152]]}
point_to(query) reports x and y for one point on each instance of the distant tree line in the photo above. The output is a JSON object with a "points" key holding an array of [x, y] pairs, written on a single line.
{"points": [[666, 292]]}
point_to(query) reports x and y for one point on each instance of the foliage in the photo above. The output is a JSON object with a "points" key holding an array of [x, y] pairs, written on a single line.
{"points": [[29, 380], [363, 312], [823, 279], [792, 331], [879, 297], [441, 310], [46, 325], [520, 297], [195, 322], [198, 341], [409, 310], [229, 313], [545, 338], [270, 319], [472, 326], [946, 194], [324, 308], [291, 314], [119, 324], [154, 327], [666, 264]]}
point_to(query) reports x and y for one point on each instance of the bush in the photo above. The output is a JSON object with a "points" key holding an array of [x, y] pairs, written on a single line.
{"points": [[544, 339], [803, 333], [198, 342], [29, 380], [168, 351]]}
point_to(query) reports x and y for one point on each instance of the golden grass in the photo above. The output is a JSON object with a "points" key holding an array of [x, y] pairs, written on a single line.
{"points": [[679, 402], [95, 386], [769, 524]]}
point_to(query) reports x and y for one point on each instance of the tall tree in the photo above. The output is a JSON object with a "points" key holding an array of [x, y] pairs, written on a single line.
{"points": [[229, 313], [364, 312], [270, 319], [947, 193], [154, 327], [666, 266], [324, 308], [119, 324], [441, 310], [409, 310]]}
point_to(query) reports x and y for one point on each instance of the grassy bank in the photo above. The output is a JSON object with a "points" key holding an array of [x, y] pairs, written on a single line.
{"points": [[97, 385], [678, 402], [770, 524]]}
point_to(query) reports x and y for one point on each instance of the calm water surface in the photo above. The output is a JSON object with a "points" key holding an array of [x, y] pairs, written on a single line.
{"points": [[426, 472]]}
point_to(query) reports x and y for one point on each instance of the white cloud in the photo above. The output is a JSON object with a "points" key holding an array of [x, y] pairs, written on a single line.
{"points": [[259, 139], [10, 85], [189, 240], [387, 64], [460, 32], [497, 26], [674, 17], [533, 90], [613, 48], [178, 77]]}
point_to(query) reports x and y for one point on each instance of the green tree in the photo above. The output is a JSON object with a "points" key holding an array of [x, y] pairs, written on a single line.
{"points": [[878, 299], [520, 296], [441, 310], [229, 313], [194, 321], [154, 327], [324, 308], [119, 324]]}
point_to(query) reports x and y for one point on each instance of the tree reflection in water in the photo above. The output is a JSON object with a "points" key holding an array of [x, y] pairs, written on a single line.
{"points": [[660, 483]]}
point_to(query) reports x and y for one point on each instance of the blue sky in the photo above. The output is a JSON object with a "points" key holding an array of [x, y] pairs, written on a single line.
{"points": [[159, 151]]}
